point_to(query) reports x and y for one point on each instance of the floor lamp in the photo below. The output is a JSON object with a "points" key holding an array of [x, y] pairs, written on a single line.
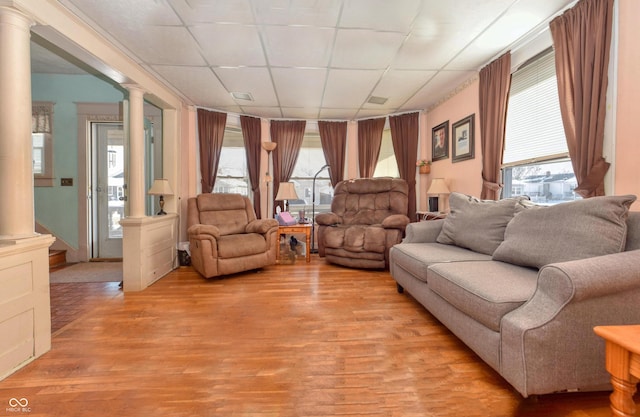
{"points": [[269, 147], [313, 210]]}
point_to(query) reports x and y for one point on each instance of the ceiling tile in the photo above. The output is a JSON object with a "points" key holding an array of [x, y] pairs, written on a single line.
{"points": [[399, 86], [338, 114], [441, 85], [300, 12], [357, 48], [167, 45], [300, 113], [266, 112], [256, 81], [385, 15], [210, 11], [245, 50], [299, 87], [349, 88], [298, 46], [115, 15], [197, 83]]}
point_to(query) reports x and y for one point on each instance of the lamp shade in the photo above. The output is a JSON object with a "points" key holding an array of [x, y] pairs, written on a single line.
{"points": [[269, 146], [287, 191], [438, 186], [160, 187]]}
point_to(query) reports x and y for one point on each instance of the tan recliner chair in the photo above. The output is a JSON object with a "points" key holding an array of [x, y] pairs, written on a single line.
{"points": [[225, 237], [368, 216]]}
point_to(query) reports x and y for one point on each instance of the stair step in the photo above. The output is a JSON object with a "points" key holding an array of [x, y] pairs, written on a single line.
{"points": [[57, 258]]}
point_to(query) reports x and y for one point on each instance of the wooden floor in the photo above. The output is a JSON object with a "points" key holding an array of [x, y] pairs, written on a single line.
{"points": [[290, 340]]}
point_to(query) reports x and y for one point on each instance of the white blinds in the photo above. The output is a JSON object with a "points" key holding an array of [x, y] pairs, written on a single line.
{"points": [[534, 130]]}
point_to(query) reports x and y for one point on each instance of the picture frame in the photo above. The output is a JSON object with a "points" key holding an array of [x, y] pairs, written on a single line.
{"points": [[463, 139], [440, 142]]}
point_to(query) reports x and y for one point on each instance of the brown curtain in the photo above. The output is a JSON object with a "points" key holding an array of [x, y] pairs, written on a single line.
{"points": [[288, 134], [369, 140], [333, 137], [251, 133], [495, 82], [582, 39], [211, 127], [404, 135]]}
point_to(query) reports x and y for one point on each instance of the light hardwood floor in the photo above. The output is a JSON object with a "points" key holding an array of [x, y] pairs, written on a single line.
{"points": [[290, 340]]}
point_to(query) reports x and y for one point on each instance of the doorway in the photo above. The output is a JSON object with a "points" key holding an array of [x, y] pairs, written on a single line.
{"points": [[108, 189]]}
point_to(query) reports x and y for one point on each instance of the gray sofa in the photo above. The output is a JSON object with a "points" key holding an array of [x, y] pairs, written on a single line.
{"points": [[523, 285]]}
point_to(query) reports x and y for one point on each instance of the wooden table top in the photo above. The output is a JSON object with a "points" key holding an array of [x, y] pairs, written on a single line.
{"points": [[627, 336]]}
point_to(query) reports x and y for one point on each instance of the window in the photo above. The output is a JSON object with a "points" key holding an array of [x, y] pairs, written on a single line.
{"points": [[536, 160], [42, 141], [387, 165], [310, 162], [232, 176]]}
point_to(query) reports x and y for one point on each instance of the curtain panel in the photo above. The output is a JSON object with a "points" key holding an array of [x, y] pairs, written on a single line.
{"points": [[288, 134], [211, 127], [582, 40], [404, 135], [251, 134], [494, 85], [333, 137], [369, 141]]}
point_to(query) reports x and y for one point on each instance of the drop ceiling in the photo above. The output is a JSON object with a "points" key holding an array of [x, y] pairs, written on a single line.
{"points": [[308, 59]]}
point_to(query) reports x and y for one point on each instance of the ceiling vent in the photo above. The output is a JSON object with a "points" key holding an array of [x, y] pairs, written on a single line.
{"points": [[242, 96], [377, 100]]}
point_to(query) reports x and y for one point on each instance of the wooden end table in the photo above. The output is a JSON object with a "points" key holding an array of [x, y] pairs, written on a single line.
{"points": [[623, 363], [296, 229]]}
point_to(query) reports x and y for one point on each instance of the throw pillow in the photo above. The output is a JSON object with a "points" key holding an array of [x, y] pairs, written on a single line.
{"points": [[476, 224], [567, 231]]}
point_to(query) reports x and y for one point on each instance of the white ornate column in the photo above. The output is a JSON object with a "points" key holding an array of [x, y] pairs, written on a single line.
{"points": [[136, 152], [16, 169]]}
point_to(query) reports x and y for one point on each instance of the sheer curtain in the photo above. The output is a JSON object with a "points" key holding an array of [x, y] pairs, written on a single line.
{"points": [[404, 135], [211, 127], [251, 133], [288, 135], [369, 140], [582, 39], [333, 136], [495, 82]]}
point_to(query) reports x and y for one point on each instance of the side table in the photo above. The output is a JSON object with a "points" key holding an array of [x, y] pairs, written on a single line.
{"points": [[297, 229], [623, 363]]}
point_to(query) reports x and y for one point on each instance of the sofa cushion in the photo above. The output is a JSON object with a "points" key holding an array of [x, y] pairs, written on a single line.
{"points": [[356, 238], [234, 246], [476, 224], [417, 257], [485, 291], [567, 231]]}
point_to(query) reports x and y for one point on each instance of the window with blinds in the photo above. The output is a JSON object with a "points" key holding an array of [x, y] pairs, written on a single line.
{"points": [[536, 159]]}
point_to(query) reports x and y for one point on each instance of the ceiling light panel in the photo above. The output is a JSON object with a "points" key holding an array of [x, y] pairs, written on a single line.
{"points": [[298, 46], [229, 45], [365, 49], [256, 81]]}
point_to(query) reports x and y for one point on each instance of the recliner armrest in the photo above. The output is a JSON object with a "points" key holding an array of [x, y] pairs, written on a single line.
{"points": [[328, 219], [261, 226], [203, 229], [395, 221]]}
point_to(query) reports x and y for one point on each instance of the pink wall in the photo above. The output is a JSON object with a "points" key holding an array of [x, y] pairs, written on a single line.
{"points": [[627, 166], [464, 176]]}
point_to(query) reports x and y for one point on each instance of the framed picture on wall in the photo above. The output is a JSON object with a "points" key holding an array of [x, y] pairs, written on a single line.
{"points": [[462, 139], [440, 142]]}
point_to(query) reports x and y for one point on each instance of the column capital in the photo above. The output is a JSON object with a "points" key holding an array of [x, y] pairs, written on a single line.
{"points": [[10, 12], [133, 87]]}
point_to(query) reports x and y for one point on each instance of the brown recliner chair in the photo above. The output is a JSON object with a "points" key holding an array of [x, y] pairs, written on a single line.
{"points": [[368, 216], [225, 237]]}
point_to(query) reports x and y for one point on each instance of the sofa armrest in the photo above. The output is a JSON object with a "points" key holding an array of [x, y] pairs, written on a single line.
{"points": [[261, 226], [423, 232], [203, 231], [395, 221], [328, 219]]}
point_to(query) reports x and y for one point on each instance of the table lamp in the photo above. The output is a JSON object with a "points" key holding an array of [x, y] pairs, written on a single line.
{"points": [[438, 187], [286, 192], [161, 187]]}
